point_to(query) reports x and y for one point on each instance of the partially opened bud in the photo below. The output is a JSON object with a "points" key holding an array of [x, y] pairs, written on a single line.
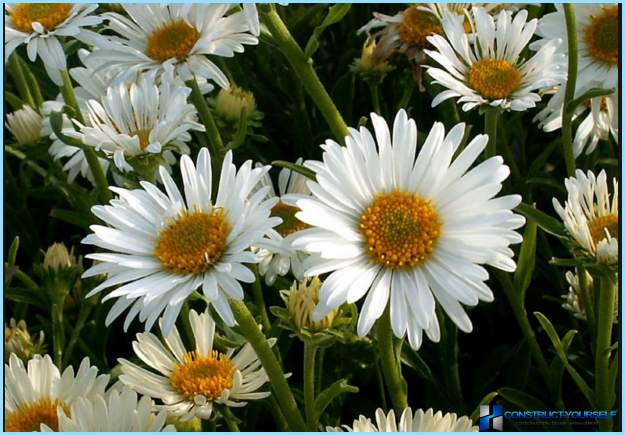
{"points": [[231, 101], [57, 256], [303, 299], [17, 340], [25, 125]]}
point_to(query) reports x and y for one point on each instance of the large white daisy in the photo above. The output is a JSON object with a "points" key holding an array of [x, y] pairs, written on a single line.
{"points": [[420, 422], [32, 395], [118, 411], [131, 121], [167, 246], [38, 25], [589, 215], [491, 72], [159, 37], [189, 383], [597, 38], [392, 228], [277, 256]]}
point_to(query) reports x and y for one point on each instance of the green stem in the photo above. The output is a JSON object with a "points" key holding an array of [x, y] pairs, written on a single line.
{"points": [[58, 334], [603, 389], [277, 415], [250, 330], [375, 98], [231, 421], [490, 128], [319, 378], [304, 70], [67, 90], [214, 138], [569, 94], [310, 349], [83, 315], [405, 99], [449, 351], [259, 300], [14, 66], [378, 373], [589, 306], [186, 324], [25, 279], [390, 363]]}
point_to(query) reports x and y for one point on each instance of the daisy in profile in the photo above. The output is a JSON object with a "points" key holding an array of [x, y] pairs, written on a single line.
{"points": [[277, 256], [166, 246], [491, 71], [190, 383], [39, 26], [597, 38], [33, 394], [420, 422], [25, 125], [140, 119], [158, 37], [573, 301], [117, 411], [394, 229], [589, 215]]}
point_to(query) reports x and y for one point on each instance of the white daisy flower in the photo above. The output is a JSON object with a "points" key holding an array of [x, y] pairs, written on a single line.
{"points": [[590, 217], [392, 228], [32, 395], [573, 301], [159, 37], [420, 422], [277, 256], [38, 25], [597, 38], [25, 125], [119, 411], [167, 246], [189, 383], [134, 120], [491, 71]]}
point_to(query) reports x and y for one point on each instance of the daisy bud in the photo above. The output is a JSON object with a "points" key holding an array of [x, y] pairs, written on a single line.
{"points": [[303, 298], [57, 256], [25, 125], [231, 101], [59, 272], [573, 300], [17, 340]]}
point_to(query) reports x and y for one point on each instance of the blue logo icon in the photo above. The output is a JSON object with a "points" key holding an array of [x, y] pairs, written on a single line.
{"points": [[491, 418]]}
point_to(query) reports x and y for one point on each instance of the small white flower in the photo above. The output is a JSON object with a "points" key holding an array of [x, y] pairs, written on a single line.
{"points": [[491, 71], [276, 255], [405, 231], [597, 38], [25, 125], [420, 422], [590, 217], [32, 395], [166, 246], [38, 25], [162, 37], [190, 382]]}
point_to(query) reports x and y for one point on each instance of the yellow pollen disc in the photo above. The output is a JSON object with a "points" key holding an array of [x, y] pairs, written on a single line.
{"points": [[193, 242], [598, 226], [144, 137], [28, 417], [290, 224], [203, 376], [602, 35], [400, 229], [49, 15], [417, 26], [175, 40], [494, 79]]}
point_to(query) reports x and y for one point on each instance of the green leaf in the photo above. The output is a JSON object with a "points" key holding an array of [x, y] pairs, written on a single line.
{"points": [[607, 161], [14, 101], [329, 394], [336, 13], [544, 221], [475, 415], [547, 181], [413, 360], [13, 251], [520, 368], [239, 136], [527, 260], [308, 173], [20, 294], [524, 401], [593, 93], [56, 122], [72, 217]]}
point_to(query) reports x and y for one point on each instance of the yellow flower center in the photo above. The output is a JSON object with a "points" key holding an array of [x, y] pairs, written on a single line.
{"points": [[598, 226], [400, 229], [417, 25], [205, 376], [602, 36], [49, 15], [290, 224], [494, 79], [175, 40], [144, 137], [193, 242], [28, 417]]}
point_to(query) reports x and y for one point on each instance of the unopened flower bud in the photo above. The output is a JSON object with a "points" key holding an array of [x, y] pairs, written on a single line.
{"points": [[57, 256], [303, 299], [17, 340], [231, 101], [25, 125]]}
